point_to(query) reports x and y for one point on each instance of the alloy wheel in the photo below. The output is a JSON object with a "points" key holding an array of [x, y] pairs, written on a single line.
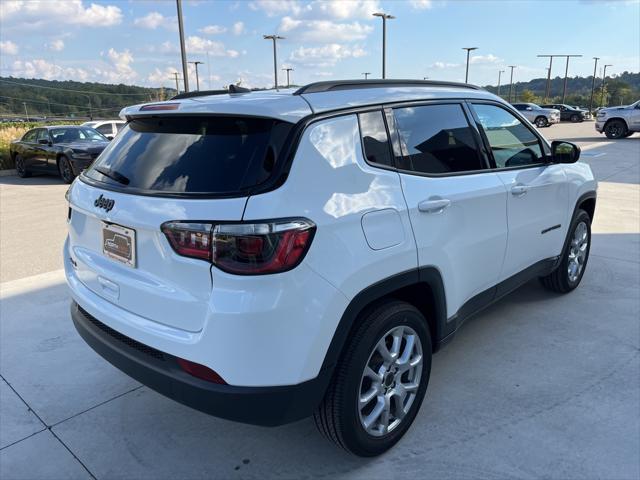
{"points": [[390, 381], [20, 168], [578, 251]]}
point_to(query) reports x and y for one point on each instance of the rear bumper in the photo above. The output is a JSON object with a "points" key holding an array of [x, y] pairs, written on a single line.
{"points": [[268, 406]]}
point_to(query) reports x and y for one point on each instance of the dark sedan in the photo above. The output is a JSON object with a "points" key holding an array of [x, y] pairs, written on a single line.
{"points": [[62, 149], [569, 113]]}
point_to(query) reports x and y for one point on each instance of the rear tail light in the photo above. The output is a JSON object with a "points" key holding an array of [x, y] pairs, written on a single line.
{"points": [[244, 248]]}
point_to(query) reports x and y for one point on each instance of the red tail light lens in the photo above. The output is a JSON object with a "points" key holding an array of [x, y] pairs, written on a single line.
{"points": [[200, 371], [244, 248]]}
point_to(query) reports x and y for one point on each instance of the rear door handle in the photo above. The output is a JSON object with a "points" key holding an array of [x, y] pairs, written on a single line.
{"points": [[434, 206], [519, 190]]}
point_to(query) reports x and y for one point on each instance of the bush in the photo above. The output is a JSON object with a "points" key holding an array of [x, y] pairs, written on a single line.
{"points": [[13, 130]]}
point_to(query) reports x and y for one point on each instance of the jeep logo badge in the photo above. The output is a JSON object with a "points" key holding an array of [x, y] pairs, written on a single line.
{"points": [[106, 203]]}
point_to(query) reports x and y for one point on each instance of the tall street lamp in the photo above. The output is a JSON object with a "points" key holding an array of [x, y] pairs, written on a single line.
{"points": [[366, 75], [469, 50], [500, 72], [566, 73], [604, 78], [547, 91], [511, 83], [593, 83], [275, 38], [384, 17], [183, 52], [175, 75], [196, 63], [288, 69]]}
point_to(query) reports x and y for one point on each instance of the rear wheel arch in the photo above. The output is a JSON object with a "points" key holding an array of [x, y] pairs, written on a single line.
{"points": [[423, 288]]}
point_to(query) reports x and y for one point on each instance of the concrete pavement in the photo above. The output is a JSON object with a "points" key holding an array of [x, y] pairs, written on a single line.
{"points": [[538, 385]]}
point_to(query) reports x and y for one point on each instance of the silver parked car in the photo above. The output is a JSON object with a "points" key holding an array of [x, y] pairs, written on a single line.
{"points": [[540, 117]]}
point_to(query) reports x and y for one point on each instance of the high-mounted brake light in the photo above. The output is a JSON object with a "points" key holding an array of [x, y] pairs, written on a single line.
{"points": [[244, 248], [160, 106]]}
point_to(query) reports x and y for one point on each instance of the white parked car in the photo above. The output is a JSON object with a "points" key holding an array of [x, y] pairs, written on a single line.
{"points": [[539, 116], [108, 128], [266, 256], [619, 122]]}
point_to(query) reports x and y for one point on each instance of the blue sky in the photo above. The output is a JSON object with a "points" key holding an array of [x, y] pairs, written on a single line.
{"points": [[136, 42]]}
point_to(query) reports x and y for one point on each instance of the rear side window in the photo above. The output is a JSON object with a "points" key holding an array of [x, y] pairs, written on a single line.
{"points": [[436, 139], [192, 155], [105, 129], [375, 140]]}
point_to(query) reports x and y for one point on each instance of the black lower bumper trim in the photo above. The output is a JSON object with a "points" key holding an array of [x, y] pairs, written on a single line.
{"points": [[268, 406]]}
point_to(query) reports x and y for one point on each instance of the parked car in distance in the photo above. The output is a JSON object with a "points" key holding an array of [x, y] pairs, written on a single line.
{"points": [[619, 122], [108, 128], [62, 149], [540, 117], [568, 113], [267, 256]]}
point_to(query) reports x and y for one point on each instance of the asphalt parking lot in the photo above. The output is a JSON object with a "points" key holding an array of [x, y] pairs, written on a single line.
{"points": [[538, 385]]}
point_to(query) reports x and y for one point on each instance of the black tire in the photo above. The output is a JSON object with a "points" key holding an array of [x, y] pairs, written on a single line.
{"points": [[21, 168], [575, 118], [560, 279], [615, 129], [65, 170], [338, 417], [541, 122], [628, 134]]}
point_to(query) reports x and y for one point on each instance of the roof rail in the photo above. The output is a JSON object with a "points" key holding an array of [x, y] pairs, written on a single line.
{"points": [[332, 85]]}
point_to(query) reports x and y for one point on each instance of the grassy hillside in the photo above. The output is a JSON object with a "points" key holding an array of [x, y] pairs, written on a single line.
{"points": [[52, 98]]}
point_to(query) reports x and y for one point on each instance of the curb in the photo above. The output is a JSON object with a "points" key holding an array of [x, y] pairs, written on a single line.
{"points": [[7, 173]]}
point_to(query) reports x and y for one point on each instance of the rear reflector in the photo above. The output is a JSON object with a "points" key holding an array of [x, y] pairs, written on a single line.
{"points": [[200, 371], [160, 106], [244, 248]]}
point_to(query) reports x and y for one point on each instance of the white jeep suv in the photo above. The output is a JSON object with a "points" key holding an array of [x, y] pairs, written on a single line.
{"points": [[267, 256]]}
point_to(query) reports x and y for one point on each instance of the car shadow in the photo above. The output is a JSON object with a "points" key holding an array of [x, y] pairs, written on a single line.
{"points": [[35, 179]]}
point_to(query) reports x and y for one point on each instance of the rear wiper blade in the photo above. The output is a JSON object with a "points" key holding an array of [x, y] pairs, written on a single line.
{"points": [[113, 175]]}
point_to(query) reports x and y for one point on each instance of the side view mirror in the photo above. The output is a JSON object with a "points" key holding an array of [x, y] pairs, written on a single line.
{"points": [[564, 152], [43, 141], [109, 137]]}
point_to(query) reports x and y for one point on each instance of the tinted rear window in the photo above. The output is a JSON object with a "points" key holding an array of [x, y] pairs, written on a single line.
{"points": [[198, 155]]}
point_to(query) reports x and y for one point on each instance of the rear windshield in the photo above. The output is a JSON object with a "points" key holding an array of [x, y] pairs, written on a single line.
{"points": [[192, 155]]}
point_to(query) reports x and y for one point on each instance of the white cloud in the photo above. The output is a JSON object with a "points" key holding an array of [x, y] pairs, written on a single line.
{"points": [[119, 69], [238, 28], [153, 20], [441, 65], [161, 77], [344, 10], [421, 4], [485, 59], [39, 68], [56, 45], [325, 56], [8, 48], [36, 14], [323, 30], [213, 30], [199, 45], [274, 8]]}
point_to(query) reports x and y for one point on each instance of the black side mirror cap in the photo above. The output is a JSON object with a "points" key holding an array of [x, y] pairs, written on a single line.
{"points": [[564, 152]]}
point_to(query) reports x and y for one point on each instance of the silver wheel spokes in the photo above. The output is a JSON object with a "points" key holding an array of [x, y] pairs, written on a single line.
{"points": [[578, 251], [390, 381]]}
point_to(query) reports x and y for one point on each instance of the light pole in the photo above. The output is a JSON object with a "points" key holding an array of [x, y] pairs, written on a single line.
{"points": [[593, 83], [511, 83], [288, 69], [275, 38], [175, 75], [547, 90], [196, 63], [500, 72], [25, 110], [185, 74], [384, 17], [469, 50], [604, 78], [566, 72], [366, 75]]}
